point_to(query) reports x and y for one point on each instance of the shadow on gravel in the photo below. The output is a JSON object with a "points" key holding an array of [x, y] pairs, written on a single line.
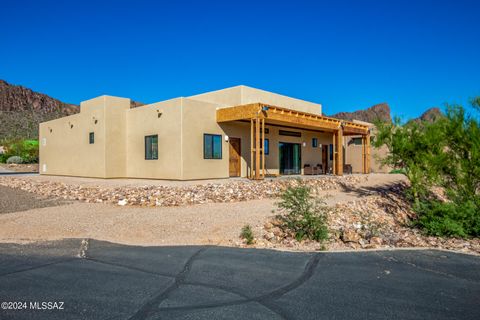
{"points": [[97, 279], [14, 200]]}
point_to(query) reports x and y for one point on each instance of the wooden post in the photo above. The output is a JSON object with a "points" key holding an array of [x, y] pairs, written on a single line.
{"points": [[257, 148], [263, 147], [367, 153], [251, 150], [334, 168], [339, 153], [363, 154]]}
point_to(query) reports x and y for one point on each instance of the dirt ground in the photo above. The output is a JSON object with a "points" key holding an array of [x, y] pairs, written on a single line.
{"points": [[18, 167], [14, 200], [211, 223]]}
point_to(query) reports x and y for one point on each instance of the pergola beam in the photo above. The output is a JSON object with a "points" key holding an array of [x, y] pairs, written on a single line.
{"points": [[243, 112], [288, 117]]}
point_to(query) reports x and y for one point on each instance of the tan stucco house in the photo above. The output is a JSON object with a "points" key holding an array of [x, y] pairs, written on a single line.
{"points": [[238, 131]]}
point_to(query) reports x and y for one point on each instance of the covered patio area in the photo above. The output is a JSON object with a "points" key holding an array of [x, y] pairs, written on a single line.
{"points": [[260, 114]]}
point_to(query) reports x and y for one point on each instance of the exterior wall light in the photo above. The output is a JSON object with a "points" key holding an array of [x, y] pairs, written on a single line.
{"points": [[226, 138]]}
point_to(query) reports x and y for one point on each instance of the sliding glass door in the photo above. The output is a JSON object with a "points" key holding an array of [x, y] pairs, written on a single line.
{"points": [[290, 158]]}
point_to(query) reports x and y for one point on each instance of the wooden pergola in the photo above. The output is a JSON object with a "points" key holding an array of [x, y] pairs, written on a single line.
{"points": [[260, 113]]}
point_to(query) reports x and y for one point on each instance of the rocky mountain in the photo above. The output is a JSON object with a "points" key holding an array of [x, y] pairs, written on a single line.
{"points": [[15, 98], [382, 112], [22, 109], [379, 111], [431, 115]]}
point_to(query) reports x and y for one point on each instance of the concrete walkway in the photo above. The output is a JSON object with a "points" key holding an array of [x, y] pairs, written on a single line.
{"points": [[101, 280]]}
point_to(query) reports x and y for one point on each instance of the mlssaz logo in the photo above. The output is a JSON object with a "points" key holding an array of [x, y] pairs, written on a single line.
{"points": [[46, 305]]}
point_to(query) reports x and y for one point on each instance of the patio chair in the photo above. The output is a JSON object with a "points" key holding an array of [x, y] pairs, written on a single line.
{"points": [[347, 169], [308, 170], [318, 169]]}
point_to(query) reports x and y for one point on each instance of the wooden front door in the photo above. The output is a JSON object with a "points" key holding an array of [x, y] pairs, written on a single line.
{"points": [[325, 158], [234, 157]]}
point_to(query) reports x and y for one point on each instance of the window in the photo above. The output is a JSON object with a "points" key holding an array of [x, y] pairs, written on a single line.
{"points": [[212, 146], [357, 141], [266, 147], [331, 152], [151, 147], [91, 137], [314, 142]]}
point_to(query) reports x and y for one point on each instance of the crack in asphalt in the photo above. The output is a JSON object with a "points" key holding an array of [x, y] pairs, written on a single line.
{"points": [[81, 254], [246, 299], [37, 267], [217, 287], [151, 306], [413, 265], [130, 268], [265, 300], [85, 245]]}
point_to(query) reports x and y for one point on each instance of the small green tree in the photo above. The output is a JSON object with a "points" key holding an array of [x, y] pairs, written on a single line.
{"points": [[413, 148], [444, 153], [304, 214]]}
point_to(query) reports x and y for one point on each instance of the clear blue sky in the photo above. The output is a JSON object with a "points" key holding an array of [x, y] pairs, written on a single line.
{"points": [[346, 55]]}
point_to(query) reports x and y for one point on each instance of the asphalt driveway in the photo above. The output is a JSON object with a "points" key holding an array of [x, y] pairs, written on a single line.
{"points": [[100, 280]]}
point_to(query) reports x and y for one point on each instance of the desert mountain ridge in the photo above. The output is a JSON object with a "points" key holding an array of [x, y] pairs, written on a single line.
{"points": [[379, 111], [382, 112], [15, 98], [22, 109]]}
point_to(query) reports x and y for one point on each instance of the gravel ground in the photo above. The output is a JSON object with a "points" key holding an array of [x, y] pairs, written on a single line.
{"points": [[219, 223], [210, 223], [213, 223], [14, 200], [121, 182]]}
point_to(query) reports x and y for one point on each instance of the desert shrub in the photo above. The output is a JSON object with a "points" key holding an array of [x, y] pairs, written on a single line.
{"points": [[449, 219], [3, 158], [14, 160], [443, 153], [26, 149], [247, 234], [303, 214]]}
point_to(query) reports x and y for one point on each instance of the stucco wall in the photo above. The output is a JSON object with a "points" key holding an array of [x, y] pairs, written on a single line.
{"points": [[244, 95], [199, 118], [252, 95], [353, 156], [65, 150], [115, 137], [144, 121]]}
